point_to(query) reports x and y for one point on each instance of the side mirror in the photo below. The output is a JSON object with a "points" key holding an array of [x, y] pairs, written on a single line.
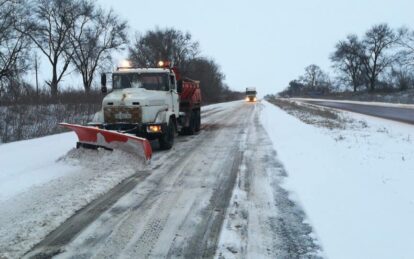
{"points": [[179, 86], [103, 84]]}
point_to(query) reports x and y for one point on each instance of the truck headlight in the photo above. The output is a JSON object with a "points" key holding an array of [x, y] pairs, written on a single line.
{"points": [[154, 128], [247, 99]]}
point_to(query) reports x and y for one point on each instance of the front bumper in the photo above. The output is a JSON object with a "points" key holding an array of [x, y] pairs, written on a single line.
{"points": [[138, 129]]}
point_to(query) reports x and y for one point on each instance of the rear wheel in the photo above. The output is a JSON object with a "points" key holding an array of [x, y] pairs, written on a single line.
{"points": [[197, 121], [191, 125], [167, 139], [191, 128]]}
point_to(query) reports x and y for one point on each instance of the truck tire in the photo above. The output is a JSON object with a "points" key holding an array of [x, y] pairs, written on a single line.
{"points": [[197, 121], [191, 125], [166, 141]]}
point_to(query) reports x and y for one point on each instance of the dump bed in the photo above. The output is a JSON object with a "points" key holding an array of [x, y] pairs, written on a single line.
{"points": [[191, 95]]}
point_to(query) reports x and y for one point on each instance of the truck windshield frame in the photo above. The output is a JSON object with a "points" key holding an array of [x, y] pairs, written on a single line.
{"points": [[250, 92], [148, 81]]}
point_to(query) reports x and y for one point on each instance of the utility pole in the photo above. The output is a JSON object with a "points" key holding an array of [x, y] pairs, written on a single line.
{"points": [[37, 77]]}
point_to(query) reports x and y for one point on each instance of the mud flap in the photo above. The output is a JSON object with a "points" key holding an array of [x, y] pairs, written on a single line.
{"points": [[93, 136]]}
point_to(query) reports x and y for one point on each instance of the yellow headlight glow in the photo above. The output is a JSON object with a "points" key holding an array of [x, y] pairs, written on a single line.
{"points": [[154, 128]]}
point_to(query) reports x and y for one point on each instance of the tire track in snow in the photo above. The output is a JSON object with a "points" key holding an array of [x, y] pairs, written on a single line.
{"points": [[191, 239], [168, 201], [227, 174], [52, 243], [262, 221]]}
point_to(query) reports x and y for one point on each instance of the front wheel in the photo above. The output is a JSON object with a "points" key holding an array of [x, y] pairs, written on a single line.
{"points": [[167, 139]]}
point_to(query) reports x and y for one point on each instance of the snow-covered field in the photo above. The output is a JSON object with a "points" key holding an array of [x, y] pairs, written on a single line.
{"points": [[355, 184], [42, 184]]}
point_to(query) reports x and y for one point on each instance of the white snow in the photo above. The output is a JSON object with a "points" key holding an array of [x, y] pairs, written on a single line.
{"points": [[382, 104], [32, 162], [44, 181], [356, 185], [42, 184]]}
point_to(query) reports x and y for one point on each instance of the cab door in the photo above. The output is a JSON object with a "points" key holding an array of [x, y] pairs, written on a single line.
{"points": [[174, 95]]}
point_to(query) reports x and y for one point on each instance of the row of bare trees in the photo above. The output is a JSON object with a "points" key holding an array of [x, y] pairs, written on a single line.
{"points": [[362, 61], [80, 34], [66, 32], [382, 57]]}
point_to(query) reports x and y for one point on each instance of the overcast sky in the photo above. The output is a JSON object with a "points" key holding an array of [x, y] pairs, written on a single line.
{"points": [[264, 43]]}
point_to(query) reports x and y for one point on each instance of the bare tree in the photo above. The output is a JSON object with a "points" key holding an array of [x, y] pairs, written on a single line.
{"points": [[374, 56], [406, 41], [50, 31], [168, 44], [93, 37], [401, 77], [347, 60], [14, 45], [314, 77]]}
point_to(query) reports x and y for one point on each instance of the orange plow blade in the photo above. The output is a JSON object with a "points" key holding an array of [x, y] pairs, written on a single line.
{"points": [[93, 136]]}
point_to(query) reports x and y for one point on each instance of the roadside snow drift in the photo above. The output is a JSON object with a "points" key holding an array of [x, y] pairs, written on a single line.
{"points": [[42, 184], [356, 184]]}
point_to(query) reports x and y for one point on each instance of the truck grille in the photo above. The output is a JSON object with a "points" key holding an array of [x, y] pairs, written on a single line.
{"points": [[122, 115]]}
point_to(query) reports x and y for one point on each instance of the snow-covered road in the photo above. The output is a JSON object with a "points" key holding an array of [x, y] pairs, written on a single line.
{"points": [[178, 210], [397, 112]]}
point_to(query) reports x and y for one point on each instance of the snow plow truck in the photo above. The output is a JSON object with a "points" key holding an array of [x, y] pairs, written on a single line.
{"points": [[144, 104]]}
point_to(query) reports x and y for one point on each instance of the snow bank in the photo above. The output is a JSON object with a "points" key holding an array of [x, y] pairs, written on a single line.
{"points": [[355, 184], [24, 164], [42, 184]]}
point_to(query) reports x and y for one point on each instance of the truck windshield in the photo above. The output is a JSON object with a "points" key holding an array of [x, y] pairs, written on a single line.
{"points": [[250, 92], [149, 81]]}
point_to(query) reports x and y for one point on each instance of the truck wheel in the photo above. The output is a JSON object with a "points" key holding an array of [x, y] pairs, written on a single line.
{"points": [[197, 121], [191, 127], [167, 140]]}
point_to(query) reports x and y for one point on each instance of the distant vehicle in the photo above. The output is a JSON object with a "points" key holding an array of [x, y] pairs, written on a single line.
{"points": [[251, 94]]}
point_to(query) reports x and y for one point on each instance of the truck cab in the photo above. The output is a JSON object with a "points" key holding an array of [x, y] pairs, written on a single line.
{"points": [[251, 94], [144, 102]]}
